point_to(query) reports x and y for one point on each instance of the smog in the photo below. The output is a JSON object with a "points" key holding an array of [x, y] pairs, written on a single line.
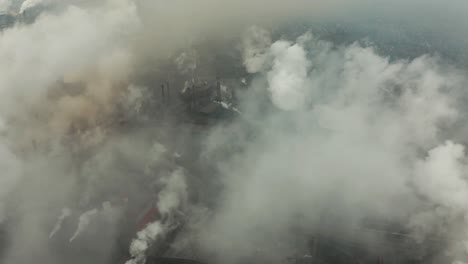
{"points": [[235, 132]]}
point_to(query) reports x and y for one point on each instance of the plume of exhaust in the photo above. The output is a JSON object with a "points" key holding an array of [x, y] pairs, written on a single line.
{"points": [[255, 44], [150, 234], [84, 221], [174, 194], [288, 77], [442, 179], [285, 64], [171, 198], [66, 212], [33, 3], [364, 122]]}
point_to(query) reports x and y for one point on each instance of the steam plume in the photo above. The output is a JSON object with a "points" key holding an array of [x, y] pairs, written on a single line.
{"points": [[84, 221], [33, 3], [66, 212], [171, 198], [287, 79], [353, 108]]}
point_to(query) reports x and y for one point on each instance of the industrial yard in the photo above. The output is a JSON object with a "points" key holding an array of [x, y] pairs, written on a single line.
{"points": [[233, 132]]}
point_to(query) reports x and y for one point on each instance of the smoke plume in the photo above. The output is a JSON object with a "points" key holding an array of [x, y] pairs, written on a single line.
{"points": [[33, 3], [84, 221], [350, 151], [66, 212], [171, 198]]}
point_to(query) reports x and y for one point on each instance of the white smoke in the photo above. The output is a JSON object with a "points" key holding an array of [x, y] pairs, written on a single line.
{"points": [[93, 39], [287, 63], [144, 240], [348, 155], [187, 61], [288, 77], [33, 3], [78, 62], [156, 152], [4, 6], [441, 178], [66, 212], [170, 199], [84, 221], [353, 147], [256, 42], [11, 166], [11, 175], [134, 101], [174, 194]]}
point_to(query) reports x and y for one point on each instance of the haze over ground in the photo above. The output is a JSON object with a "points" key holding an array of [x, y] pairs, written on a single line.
{"points": [[354, 111]]}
